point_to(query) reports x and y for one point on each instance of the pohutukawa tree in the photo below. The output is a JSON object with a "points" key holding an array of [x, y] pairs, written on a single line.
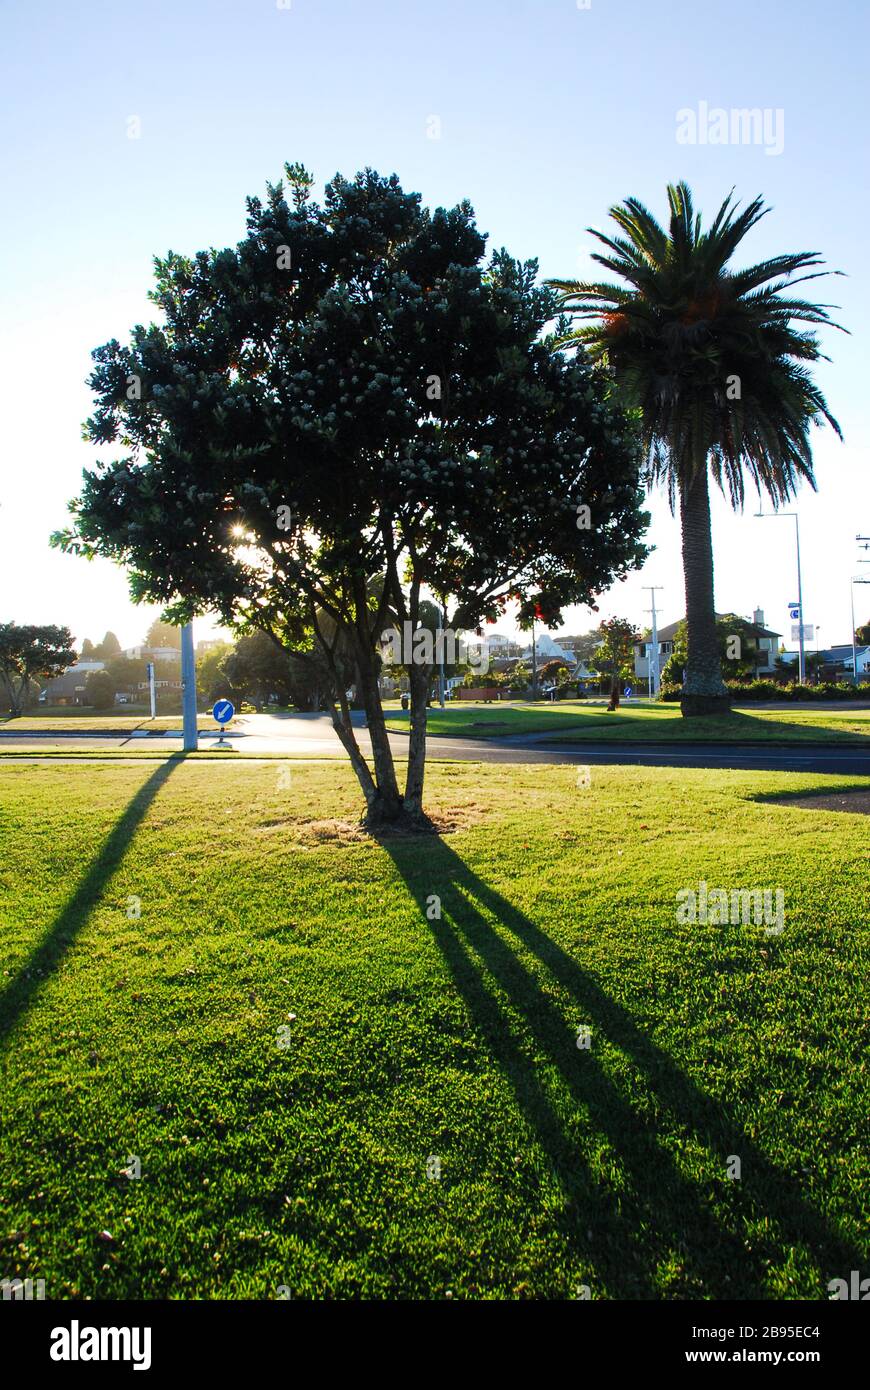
{"points": [[711, 358], [29, 654], [349, 409]]}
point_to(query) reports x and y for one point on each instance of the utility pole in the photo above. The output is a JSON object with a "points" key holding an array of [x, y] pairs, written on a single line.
{"points": [[766, 516], [534, 665], [653, 670], [852, 583], [442, 623], [188, 688]]}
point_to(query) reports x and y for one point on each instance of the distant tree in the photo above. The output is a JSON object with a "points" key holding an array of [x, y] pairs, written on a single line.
{"points": [[258, 668], [127, 673], [615, 654], [99, 690], [29, 654], [107, 649], [520, 679], [211, 680], [87, 651], [548, 674], [862, 635], [161, 634]]}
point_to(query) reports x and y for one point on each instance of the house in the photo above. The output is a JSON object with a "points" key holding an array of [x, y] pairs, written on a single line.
{"points": [[547, 650], [835, 662], [643, 651], [766, 646], [69, 688]]}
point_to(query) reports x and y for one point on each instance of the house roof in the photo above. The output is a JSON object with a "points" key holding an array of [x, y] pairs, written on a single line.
{"points": [[669, 631]]}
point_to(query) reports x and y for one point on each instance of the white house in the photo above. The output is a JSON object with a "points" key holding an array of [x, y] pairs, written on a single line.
{"points": [[547, 650], [766, 648]]}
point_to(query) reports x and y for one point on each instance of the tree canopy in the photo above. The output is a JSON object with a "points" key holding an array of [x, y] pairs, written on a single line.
{"points": [[29, 653], [348, 407]]}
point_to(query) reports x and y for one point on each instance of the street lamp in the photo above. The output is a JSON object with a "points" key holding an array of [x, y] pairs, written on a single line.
{"points": [[852, 583], [766, 516]]}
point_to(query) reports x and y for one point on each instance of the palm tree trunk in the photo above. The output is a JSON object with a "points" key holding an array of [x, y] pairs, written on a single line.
{"points": [[704, 691]]}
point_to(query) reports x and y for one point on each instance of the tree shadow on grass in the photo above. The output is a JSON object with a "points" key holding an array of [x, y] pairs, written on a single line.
{"points": [[47, 955], [657, 1217]]}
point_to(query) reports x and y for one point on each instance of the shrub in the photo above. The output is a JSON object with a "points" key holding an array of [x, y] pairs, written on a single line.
{"points": [[743, 692]]}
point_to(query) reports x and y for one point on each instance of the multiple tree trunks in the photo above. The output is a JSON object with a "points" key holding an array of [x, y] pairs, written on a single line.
{"points": [[704, 691]]}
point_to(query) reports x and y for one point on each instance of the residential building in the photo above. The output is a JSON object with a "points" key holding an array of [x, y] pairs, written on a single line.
{"points": [[766, 645], [835, 663], [69, 688]]}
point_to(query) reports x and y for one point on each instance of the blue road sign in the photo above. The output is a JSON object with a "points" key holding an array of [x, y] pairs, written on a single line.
{"points": [[223, 711], [794, 613], [627, 692]]}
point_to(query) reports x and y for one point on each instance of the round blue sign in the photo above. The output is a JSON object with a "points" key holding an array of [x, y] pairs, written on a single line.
{"points": [[627, 692], [223, 711]]}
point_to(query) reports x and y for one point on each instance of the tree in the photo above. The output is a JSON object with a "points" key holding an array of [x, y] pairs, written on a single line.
{"points": [[99, 690], [106, 650], [28, 654], [211, 679], [161, 634], [713, 363], [347, 408], [862, 635], [88, 650], [127, 673], [615, 653], [257, 668]]}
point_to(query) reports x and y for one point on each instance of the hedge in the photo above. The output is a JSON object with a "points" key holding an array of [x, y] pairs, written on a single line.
{"points": [[770, 690]]}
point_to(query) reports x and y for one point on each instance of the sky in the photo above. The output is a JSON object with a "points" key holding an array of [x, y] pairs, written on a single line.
{"points": [[132, 129]]}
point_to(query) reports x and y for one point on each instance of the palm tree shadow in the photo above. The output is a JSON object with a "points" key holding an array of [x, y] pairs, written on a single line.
{"points": [[656, 1215], [46, 956]]}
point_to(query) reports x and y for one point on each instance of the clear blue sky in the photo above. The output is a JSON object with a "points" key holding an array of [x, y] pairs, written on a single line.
{"points": [[549, 114]]}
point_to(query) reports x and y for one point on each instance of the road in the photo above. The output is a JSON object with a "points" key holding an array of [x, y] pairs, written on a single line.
{"points": [[312, 736]]}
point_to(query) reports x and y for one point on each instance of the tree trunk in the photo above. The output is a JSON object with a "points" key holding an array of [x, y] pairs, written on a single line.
{"points": [[704, 691], [386, 806], [419, 678]]}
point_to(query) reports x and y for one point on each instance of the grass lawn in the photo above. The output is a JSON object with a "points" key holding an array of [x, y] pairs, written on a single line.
{"points": [[299, 1158], [577, 721]]}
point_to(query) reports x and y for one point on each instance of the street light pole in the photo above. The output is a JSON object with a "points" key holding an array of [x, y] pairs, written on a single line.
{"points": [[852, 583], [766, 516], [654, 669], [534, 665], [441, 625], [188, 688]]}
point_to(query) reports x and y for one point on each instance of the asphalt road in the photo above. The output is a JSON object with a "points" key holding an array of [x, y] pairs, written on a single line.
{"points": [[312, 735]]}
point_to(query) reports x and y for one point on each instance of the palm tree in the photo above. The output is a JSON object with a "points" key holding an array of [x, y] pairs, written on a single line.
{"points": [[709, 358]]}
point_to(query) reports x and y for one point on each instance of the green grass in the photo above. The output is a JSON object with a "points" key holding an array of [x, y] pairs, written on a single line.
{"points": [[306, 1167], [577, 721]]}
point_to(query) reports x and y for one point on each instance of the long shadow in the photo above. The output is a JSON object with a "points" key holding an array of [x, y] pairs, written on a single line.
{"points": [[656, 1214], [44, 959]]}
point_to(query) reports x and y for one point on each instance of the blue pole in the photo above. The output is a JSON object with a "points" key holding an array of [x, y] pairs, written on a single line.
{"points": [[188, 688]]}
